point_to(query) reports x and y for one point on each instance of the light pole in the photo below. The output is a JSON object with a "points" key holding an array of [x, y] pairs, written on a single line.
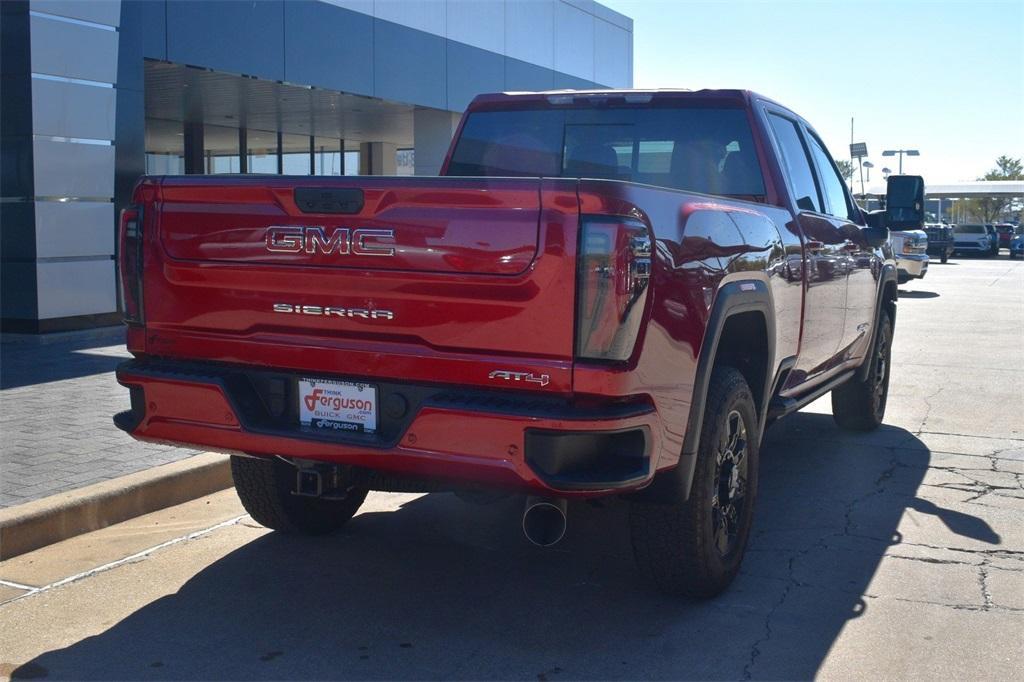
{"points": [[869, 166], [901, 152]]}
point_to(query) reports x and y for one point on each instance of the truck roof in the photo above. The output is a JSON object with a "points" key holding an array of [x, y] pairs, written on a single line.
{"points": [[553, 98], [640, 95]]}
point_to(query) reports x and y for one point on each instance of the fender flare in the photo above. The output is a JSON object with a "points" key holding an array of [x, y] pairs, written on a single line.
{"points": [[738, 296], [735, 297], [888, 275]]}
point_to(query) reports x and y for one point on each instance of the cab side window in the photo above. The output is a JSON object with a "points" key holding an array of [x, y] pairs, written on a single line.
{"points": [[796, 162], [832, 185]]}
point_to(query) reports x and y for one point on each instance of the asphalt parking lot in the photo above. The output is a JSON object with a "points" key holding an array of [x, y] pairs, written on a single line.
{"points": [[896, 554]]}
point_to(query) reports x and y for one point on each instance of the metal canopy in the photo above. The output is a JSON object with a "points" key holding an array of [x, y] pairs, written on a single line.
{"points": [[978, 189], [175, 92]]}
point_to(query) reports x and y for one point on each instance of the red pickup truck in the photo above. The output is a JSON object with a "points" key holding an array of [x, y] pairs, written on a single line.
{"points": [[605, 293]]}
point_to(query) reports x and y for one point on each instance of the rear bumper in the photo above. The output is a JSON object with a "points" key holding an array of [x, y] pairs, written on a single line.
{"points": [[508, 439]]}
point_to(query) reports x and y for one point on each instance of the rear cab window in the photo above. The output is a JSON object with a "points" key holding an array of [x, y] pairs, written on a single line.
{"points": [[694, 148]]}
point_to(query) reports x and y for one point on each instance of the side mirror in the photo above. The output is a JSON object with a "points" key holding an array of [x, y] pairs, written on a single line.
{"points": [[875, 236], [904, 202], [876, 233]]}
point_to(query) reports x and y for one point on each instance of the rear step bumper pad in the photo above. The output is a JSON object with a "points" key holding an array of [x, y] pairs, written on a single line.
{"points": [[507, 439]]}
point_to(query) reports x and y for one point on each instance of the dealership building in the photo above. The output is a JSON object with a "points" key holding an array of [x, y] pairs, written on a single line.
{"points": [[95, 93]]}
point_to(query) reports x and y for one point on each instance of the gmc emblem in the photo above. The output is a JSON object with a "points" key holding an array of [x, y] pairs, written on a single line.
{"points": [[342, 241]]}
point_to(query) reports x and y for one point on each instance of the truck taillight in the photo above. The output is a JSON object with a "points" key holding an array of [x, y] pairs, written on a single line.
{"points": [[131, 264], [613, 275]]}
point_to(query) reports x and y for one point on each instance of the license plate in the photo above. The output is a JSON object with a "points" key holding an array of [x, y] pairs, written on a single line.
{"points": [[338, 405]]}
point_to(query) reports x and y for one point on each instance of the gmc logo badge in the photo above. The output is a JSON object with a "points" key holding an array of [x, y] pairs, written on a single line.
{"points": [[341, 240]]}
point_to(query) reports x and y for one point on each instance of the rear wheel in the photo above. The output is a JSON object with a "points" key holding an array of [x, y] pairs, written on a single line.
{"points": [[694, 548], [859, 405], [265, 486], [945, 257]]}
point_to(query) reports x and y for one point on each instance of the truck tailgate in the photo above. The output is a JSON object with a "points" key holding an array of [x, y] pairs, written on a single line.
{"points": [[430, 279]]}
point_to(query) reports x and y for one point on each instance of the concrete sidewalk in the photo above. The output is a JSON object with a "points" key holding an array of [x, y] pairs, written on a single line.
{"points": [[57, 397]]}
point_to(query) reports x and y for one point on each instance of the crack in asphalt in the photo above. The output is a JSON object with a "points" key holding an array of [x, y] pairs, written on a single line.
{"points": [[968, 435], [971, 485], [928, 410], [820, 543], [986, 594]]}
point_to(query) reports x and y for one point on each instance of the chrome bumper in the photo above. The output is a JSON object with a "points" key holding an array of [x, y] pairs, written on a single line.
{"points": [[912, 264]]}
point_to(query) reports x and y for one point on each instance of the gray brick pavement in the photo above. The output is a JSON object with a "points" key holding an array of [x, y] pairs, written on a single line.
{"points": [[56, 403]]}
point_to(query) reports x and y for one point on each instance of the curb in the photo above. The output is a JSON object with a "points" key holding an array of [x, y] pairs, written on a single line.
{"points": [[43, 522]]}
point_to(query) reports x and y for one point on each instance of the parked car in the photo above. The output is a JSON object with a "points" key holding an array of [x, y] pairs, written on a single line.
{"points": [[1017, 243], [940, 240], [557, 315], [910, 247], [972, 238], [1005, 232]]}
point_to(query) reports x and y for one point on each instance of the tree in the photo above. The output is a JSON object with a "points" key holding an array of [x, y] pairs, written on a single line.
{"points": [[846, 170], [989, 209]]}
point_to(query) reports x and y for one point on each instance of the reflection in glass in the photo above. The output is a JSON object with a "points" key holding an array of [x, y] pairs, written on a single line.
{"points": [[295, 153], [261, 151], [220, 149], [165, 147]]}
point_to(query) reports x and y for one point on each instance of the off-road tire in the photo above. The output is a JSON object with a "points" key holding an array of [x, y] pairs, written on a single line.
{"points": [[944, 258], [859, 404], [675, 544], [265, 485]]}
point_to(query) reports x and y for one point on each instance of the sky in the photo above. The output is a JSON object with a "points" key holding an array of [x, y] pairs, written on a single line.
{"points": [[945, 78]]}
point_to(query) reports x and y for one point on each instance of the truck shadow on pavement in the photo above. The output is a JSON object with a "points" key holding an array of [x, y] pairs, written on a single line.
{"points": [[443, 589]]}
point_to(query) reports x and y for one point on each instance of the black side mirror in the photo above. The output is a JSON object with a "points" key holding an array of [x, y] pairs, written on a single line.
{"points": [[875, 236], [805, 204], [904, 202]]}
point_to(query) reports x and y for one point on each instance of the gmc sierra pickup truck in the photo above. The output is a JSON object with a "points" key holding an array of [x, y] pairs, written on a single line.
{"points": [[604, 293]]}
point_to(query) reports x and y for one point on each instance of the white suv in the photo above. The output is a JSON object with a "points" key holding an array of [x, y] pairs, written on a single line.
{"points": [[972, 239]]}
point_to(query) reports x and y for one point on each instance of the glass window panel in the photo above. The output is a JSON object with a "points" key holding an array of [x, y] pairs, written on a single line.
{"points": [[692, 148], [261, 151], [351, 163], [405, 162], [295, 151], [798, 165], [165, 147], [833, 186], [327, 155], [220, 149]]}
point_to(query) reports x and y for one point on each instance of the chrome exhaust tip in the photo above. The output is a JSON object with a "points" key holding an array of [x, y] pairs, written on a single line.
{"points": [[544, 520]]}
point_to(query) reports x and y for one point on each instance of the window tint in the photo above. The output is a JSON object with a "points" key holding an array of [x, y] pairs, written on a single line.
{"points": [[798, 166], [510, 144], [831, 184], [697, 149]]}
